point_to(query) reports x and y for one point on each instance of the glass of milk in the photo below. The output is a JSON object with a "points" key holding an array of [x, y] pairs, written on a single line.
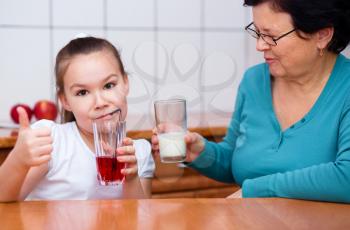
{"points": [[171, 122]]}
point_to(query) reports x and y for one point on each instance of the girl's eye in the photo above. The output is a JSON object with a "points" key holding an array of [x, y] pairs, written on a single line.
{"points": [[81, 92], [109, 85]]}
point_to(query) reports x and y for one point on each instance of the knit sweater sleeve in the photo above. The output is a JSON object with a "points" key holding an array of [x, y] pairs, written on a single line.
{"points": [[216, 159]]}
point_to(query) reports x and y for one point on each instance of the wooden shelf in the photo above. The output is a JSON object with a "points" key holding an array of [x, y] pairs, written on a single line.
{"points": [[212, 133], [184, 182], [8, 137]]}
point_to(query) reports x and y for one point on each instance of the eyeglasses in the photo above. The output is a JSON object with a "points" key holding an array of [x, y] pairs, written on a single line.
{"points": [[267, 38]]}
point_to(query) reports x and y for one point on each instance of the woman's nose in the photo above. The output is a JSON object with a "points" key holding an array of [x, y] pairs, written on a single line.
{"points": [[261, 45]]}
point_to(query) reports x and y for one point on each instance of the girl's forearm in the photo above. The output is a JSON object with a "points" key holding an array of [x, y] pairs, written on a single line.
{"points": [[12, 175]]}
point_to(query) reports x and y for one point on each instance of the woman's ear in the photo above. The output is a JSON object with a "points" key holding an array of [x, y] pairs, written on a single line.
{"points": [[126, 83], [324, 36], [64, 102]]}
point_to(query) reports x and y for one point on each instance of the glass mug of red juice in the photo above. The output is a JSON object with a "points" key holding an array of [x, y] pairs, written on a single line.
{"points": [[108, 136]]}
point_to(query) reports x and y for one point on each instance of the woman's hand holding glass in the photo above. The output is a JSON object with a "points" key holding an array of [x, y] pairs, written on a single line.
{"points": [[194, 145]]}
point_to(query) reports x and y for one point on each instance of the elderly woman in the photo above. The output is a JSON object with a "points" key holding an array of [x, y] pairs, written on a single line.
{"points": [[290, 131]]}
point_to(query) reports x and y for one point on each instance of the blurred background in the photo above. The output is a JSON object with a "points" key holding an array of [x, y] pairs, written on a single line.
{"points": [[195, 49]]}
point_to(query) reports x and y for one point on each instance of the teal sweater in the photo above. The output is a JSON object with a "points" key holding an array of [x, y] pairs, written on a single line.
{"points": [[309, 160]]}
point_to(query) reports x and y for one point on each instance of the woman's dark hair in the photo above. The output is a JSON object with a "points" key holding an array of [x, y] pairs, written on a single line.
{"points": [[310, 16], [75, 47]]}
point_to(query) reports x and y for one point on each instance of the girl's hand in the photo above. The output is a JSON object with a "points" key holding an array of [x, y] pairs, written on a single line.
{"points": [[126, 154], [33, 146], [194, 145]]}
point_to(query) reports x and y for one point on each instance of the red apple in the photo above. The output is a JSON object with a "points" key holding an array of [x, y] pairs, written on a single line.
{"points": [[14, 133], [14, 113], [44, 109]]}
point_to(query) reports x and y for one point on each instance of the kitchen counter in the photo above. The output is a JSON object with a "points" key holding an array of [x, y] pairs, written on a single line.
{"points": [[8, 137]]}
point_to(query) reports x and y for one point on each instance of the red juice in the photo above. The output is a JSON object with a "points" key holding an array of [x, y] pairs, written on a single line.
{"points": [[109, 170]]}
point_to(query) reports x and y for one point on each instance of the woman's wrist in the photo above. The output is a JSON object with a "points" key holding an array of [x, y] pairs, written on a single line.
{"points": [[197, 151]]}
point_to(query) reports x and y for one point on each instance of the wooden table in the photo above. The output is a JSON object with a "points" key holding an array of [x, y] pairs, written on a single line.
{"points": [[273, 213]]}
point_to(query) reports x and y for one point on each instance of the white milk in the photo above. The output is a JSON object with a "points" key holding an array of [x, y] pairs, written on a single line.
{"points": [[172, 144]]}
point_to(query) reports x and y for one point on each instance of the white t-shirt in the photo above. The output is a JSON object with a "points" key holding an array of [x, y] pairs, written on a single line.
{"points": [[72, 173]]}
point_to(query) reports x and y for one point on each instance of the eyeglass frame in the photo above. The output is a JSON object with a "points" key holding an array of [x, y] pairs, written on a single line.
{"points": [[265, 35]]}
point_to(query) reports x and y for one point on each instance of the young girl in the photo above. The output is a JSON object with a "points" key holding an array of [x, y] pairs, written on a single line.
{"points": [[56, 161]]}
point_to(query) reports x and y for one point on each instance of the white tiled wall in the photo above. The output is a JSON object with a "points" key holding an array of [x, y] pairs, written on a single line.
{"points": [[347, 51], [77, 13], [19, 12], [222, 70], [196, 49], [179, 13], [135, 13], [223, 14], [24, 67]]}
